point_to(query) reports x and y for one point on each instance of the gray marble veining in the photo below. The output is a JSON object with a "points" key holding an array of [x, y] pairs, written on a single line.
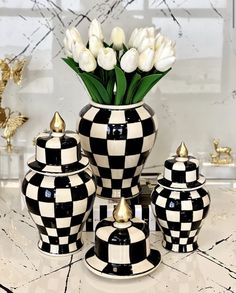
{"points": [[194, 103], [212, 268]]}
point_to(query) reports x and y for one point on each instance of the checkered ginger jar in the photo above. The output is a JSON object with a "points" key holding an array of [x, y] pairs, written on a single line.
{"points": [[59, 192], [117, 140], [180, 203], [122, 250]]}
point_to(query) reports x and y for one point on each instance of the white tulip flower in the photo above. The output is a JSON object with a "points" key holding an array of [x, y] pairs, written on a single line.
{"points": [[142, 33], [150, 31], [160, 39], [165, 64], [165, 56], [132, 37], [146, 59], [72, 37], [147, 42], [95, 44], [76, 49], [117, 38], [87, 61], [75, 35], [95, 29], [129, 61], [67, 48], [107, 58], [165, 50], [138, 35]]}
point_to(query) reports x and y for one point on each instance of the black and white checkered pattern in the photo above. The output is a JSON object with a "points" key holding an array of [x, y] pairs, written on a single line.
{"points": [[58, 153], [181, 173], [59, 206], [101, 211], [117, 143], [122, 249], [180, 216]]}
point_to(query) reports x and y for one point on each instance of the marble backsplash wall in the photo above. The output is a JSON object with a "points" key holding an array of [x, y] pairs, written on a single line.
{"points": [[195, 102]]}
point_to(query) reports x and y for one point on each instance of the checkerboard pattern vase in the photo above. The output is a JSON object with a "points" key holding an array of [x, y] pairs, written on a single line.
{"points": [[59, 192], [117, 140], [180, 203]]}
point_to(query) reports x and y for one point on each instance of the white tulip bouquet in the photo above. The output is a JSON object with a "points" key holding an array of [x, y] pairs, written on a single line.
{"points": [[119, 73]]}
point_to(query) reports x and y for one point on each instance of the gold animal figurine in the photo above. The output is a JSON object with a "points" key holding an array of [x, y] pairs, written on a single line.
{"points": [[222, 155]]}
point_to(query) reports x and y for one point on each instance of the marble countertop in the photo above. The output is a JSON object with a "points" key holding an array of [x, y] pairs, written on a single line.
{"points": [[212, 268]]}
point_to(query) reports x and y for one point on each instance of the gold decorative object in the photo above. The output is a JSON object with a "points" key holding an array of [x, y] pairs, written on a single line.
{"points": [[10, 127], [5, 75], [10, 121], [4, 113], [57, 124], [182, 150], [11, 70], [122, 212], [222, 155]]}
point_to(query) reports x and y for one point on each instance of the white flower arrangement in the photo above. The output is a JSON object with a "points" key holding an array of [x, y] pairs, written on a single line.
{"points": [[119, 74]]}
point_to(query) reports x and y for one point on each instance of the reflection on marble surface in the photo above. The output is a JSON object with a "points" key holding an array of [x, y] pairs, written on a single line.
{"points": [[194, 103], [212, 268]]}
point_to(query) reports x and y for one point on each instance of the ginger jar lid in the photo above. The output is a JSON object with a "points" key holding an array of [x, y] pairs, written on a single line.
{"points": [[181, 171], [58, 151], [122, 246]]}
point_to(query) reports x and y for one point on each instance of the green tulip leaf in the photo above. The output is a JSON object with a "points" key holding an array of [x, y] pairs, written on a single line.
{"points": [[99, 73], [110, 86], [145, 84], [92, 82], [120, 85], [69, 61], [125, 48], [132, 88], [101, 88], [95, 95], [106, 45], [96, 84]]}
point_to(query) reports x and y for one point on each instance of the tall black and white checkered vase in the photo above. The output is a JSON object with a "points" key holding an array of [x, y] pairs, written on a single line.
{"points": [[180, 203], [59, 191], [117, 140]]}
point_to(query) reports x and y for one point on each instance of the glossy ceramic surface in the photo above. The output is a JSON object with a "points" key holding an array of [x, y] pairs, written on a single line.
{"points": [[95, 266], [180, 203], [59, 206], [211, 268], [180, 216], [59, 191], [114, 254], [181, 173], [57, 153], [117, 142]]}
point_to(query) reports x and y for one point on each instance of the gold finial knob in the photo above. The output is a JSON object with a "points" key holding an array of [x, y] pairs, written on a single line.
{"points": [[57, 124], [182, 150], [122, 212]]}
